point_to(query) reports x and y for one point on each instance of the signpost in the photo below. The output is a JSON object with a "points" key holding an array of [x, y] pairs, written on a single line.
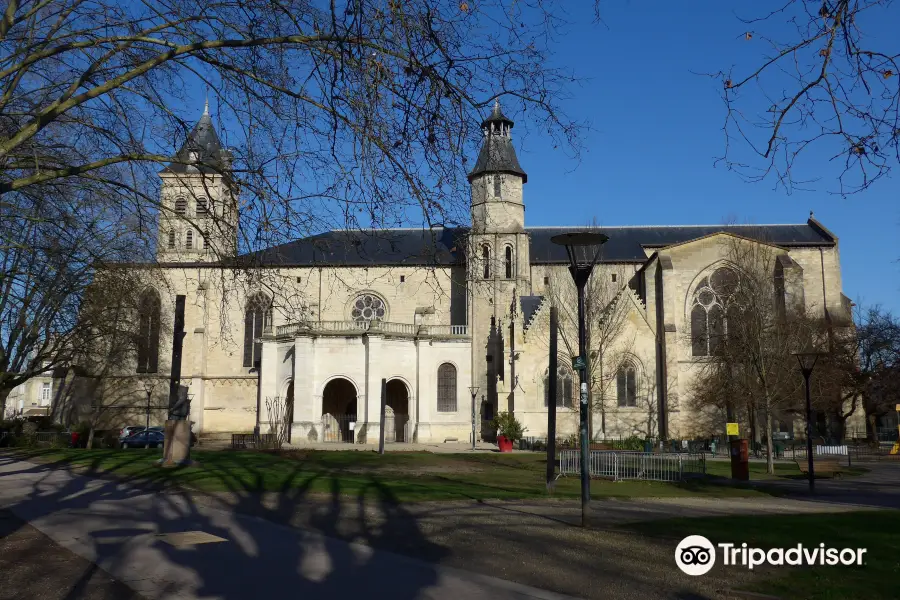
{"points": [[732, 429]]}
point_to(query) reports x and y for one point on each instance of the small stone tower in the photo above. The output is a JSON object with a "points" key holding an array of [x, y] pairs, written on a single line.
{"points": [[498, 255], [198, 200]]}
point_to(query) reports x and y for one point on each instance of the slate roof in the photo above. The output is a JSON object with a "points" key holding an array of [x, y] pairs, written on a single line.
{"points": [[445, 246], [441, 246], [626, 244], [529, 305], [497, 154], [203, 139]]}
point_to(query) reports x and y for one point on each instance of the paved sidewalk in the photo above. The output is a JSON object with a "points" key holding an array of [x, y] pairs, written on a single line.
{"points": [[33, 566], [164, 546]]}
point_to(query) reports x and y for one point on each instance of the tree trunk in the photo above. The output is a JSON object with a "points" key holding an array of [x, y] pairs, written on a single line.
{"points": [[770, 458], [90, 440], [4, 394]]}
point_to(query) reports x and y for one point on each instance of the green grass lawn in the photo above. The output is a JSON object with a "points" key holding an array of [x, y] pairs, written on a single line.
{"points": [[398, 476], [783, 470], [877, 531]]}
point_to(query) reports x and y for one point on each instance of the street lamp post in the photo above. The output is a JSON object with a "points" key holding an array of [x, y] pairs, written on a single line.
{"points": [[808, 362], [583, 248], [473, 389], [149, 386]]}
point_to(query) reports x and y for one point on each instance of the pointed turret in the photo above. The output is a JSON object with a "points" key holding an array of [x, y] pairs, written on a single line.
{"points": [[497, 153], [202, 152]]}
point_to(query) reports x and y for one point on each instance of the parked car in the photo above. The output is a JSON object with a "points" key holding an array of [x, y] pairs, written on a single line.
{"points": [[129, 431], [145, 438]]}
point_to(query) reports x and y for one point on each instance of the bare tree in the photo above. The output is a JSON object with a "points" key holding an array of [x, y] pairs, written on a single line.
{"points": [[606, 311], [279, 419], [750, 339], [355, 115], [860, 371], [823, 83]]}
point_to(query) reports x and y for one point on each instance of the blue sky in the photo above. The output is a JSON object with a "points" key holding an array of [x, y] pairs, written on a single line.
{"points": [[657, 129]]}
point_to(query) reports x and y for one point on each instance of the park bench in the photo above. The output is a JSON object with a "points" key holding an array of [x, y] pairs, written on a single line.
{"points": [[825, 466]]}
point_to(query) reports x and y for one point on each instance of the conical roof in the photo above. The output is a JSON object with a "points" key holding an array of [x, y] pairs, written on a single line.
{"points": [[497, 154], [211, 156]]}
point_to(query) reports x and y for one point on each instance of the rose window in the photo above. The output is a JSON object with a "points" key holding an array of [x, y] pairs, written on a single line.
{"points": [[368, 308]]}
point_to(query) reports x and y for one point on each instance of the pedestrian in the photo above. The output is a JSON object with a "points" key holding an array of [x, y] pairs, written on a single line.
{"points": [[75, 437]]}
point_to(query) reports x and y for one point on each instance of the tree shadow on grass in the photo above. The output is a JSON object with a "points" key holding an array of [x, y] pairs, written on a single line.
{"points": [[315, 534], [124, 525]]}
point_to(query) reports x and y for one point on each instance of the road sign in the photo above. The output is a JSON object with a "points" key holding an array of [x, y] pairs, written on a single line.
{"points": [[578, 363], [732, 429]]}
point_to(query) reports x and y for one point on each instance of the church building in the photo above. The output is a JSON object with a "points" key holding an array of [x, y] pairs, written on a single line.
{"points": [[454, 320]]}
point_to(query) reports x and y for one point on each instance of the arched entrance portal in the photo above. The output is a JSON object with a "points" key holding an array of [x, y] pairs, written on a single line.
{"points": [[289, 410], [397, 417], [338, 410]]}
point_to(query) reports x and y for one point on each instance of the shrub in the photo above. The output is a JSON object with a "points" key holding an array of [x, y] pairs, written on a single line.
{"points": [[634, 443], [507, 426]]}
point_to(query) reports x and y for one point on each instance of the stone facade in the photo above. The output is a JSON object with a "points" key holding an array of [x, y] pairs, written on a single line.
{"points": [[443, 312]]}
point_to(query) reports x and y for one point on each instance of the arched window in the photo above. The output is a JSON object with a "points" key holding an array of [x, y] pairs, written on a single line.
{"points": [[189, 239], [180, 206], [201, 207], [626, 385], [257, 319], [148, 332], [497, 186], [368, 307], [565, 390], [711, 303], [486, 259], [508, 263], [171, 239], [446, 399]]}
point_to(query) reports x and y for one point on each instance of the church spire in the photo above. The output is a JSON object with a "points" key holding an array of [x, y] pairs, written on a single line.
{"points": [[202, 151], [497, 154]]}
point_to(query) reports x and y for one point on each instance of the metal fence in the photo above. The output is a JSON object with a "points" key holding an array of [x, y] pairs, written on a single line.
{"points": [[396, 428], [245, 441], [338, 428], [646, 466]]}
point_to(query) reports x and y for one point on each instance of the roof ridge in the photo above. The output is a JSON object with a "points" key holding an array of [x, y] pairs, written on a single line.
{"points": [[663, 226]]}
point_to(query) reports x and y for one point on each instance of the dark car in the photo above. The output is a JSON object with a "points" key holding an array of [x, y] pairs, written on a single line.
{"points": [[142, 439]]}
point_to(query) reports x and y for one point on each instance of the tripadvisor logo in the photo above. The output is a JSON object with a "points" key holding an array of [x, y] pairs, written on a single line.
{"points": [[696, 555]]}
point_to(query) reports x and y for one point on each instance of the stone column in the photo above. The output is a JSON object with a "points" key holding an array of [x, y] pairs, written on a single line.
{"points": [[269, 378], [307, 410], [374, 372]]}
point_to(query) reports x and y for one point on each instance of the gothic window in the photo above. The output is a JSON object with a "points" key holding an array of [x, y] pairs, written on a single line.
{"points": [[148, 332], [626, 385], [257, 319], [486, 259], [446, 400], [171, 243], [508, 263], [497, 186], [201, 207], [189, 239], [711, 303], [565, 391], [367, 308], [181, 206]]}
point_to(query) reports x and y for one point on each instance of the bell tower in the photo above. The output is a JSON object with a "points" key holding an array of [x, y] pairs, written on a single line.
{"points": [[198, 200], [497, 258], [498, 244]]}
